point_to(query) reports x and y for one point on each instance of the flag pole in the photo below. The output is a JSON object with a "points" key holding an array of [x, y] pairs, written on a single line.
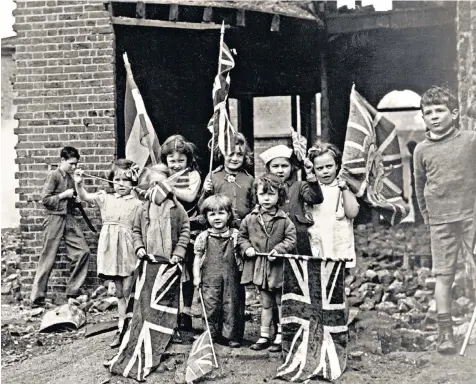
{"points": [[212, 149], [206, 324]]}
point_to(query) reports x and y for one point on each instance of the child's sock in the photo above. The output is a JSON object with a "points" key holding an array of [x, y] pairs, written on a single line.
{"points": [[445, 321], [278, 336], [264, 335]]}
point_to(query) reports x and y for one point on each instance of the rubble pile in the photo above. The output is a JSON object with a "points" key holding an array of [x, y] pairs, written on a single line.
{"points": [[11, 272], [393, 278]]}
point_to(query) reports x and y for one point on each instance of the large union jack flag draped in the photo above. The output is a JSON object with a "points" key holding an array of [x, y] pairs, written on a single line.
{"points": [[151, 319], [314, 321], [220, 125], [371, 162]]}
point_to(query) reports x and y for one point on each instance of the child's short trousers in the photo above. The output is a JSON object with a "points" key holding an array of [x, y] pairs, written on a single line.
{"points": [[447, 240]]}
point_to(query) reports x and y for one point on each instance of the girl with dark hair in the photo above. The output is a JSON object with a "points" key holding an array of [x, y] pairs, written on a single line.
{"points": [[116, 258], [179, 155], [217, 269], [267, 229]]}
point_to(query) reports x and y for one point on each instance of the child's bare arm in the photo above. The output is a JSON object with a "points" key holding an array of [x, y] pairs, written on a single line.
{"points": [[351, 206], [82, 193]]}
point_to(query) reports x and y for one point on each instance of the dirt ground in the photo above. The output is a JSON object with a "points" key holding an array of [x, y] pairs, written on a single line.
{"points": [[70, 358]]}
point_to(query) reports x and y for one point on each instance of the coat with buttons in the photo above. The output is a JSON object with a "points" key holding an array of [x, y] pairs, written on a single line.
{"points": [[280, 235]]}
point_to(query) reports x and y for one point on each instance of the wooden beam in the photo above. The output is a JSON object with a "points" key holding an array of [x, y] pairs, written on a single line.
{"points": [[140, 10], [165, 24], [240, 18], [396, 19], [326, 124], [207, 15], [275, 23], [174, 12]]}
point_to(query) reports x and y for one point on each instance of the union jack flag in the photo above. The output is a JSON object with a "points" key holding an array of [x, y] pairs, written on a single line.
{"points": [[299, 145], [151, 319], [371, 162], [220, 125], [314, 322], [200, 361]]}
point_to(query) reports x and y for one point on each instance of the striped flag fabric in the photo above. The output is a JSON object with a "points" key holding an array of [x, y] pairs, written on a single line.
{"points": [[372, 162], [201, 360], [142, 143], [299, 144], [220, 125]]}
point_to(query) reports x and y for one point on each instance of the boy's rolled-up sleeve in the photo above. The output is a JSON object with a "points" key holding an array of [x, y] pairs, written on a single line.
{"points": [[288, 244], [51, 199]]}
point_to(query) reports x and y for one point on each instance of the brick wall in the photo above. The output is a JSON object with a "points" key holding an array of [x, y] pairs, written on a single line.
{"points": [[466, 38], [65, 95]]}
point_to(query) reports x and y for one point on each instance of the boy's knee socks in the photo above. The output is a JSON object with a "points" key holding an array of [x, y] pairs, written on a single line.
{"points": [[264, 332], [444, 320]]}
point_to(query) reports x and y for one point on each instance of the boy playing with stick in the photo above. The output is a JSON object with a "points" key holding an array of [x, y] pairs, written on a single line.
{"points": [[445, 184], [59, 200]]}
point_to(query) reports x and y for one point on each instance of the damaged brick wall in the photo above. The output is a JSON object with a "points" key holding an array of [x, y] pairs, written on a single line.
{"points": [[65, 95], [466, 37]]}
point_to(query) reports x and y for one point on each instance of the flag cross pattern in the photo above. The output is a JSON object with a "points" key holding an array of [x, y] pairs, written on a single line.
{"points": [[220, 124], [314, 320], [371, 162], [200, 360], [155, 301]]}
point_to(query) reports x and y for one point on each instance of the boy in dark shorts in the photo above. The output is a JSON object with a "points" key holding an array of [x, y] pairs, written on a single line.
{"points": [[445, 186], [59, 202]]}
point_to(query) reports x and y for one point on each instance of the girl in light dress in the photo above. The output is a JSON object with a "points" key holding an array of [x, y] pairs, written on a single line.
{"points": [[332, 232], [116, 259]]}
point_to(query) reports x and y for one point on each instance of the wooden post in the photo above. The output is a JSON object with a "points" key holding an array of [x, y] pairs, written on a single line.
{"points": [[140, 10], [326, 125], [308, 118], [174, 12]]}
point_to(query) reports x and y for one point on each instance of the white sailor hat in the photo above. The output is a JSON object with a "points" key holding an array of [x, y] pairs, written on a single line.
{"points": [[275, 152]]}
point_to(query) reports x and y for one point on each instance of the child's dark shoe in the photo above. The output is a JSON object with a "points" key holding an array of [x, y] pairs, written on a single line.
{"points": [[38, 303], [446, 342], [177, 338], [186, 322], [261, 345], [116, 340]]}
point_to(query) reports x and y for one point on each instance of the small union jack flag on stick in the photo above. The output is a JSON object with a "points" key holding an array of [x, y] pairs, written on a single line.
{"points": [[299, 144], [202, 358], [219, 125]]}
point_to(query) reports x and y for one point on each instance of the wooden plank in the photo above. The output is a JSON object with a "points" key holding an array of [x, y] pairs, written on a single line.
{"points": [[164, 23], [140, 10], [241, 18], [207, 15], [275, 23], [103, 327], [174, 12], [396, 19]]}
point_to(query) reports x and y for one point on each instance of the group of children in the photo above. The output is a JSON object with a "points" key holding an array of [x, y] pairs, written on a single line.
{"points": [[245, 224]]}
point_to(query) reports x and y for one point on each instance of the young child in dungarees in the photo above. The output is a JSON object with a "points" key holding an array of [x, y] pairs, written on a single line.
{"points": [[445, 186], [179, 154], [267, 229], [332, 232], [59, 201], [232, 179], [116, 259], [217, 270]]}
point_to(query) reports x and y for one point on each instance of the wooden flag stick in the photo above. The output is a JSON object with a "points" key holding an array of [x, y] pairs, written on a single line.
{"points": [[206, 324], [295, 257], [468, 333]]}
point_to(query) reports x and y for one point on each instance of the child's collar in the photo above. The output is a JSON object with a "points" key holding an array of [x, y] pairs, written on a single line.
{"points": [[126, 197], [434, 137]]}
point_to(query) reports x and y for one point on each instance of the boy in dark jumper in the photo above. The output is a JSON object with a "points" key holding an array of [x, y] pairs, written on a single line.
{"points": [[59, 201], [445, 186]]}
